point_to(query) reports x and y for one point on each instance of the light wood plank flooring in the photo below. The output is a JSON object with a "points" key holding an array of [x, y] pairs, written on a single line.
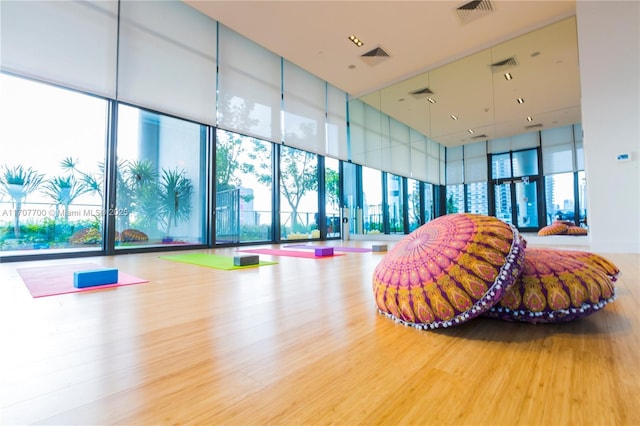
{"points": [[300, 343]]}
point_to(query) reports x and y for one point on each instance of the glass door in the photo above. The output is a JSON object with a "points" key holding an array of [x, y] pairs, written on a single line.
{"points": [[516, 202]]}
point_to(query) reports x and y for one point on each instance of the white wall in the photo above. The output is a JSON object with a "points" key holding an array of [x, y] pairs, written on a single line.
{"points": [[609, 49]]}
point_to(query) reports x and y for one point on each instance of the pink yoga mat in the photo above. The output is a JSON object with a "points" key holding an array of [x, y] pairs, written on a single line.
{"points": [[58, 279], [290, 253]]}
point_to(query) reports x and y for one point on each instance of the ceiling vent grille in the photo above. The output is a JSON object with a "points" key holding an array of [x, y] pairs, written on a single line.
{"points": [[480, 137], [375, 56], [473, 10], [421, 92], [533, 126], [504, 65]]}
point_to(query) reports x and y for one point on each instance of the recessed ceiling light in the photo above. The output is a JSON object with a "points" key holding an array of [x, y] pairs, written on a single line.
{"points": [[453, 117], [508, 75], [356, 40], [470, 131], [431, 100], [520, 100], [529, 118]]}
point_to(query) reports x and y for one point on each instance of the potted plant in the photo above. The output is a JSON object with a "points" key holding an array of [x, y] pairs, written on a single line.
{"points": [[17, 183]]}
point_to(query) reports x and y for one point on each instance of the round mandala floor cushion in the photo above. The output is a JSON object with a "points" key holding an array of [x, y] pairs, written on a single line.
{"points": [[448, 271], [133, 235], [558, 286], [556, 228]]}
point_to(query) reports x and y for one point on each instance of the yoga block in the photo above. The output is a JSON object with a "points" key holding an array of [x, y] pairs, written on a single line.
{"points": [[253, 259], [324, 251], [94, 277], [379, 247]]}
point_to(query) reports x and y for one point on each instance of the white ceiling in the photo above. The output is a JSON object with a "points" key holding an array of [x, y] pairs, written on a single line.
{"points": [[429, 46]]}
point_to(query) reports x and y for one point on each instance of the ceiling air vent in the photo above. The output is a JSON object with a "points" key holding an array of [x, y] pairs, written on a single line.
{"points": [[533, 126], [473, 10], [421, 92], [504, 64], [375, 56], [480, 137]]}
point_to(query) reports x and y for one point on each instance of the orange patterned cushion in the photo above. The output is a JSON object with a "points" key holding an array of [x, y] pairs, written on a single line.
{"points": [[133, 235], [556, 228], [448, 271], [576, 230], [556, 286]]}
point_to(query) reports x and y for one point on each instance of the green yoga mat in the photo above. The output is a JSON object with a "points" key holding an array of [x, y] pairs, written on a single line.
{"points": [[212, 261]]}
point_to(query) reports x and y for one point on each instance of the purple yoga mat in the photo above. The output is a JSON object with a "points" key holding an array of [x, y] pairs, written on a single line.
{"points": [[312, 247]]}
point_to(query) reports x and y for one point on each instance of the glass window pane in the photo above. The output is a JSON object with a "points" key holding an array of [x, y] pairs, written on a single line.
{"points": [[559, 198], [500, 166], [243, 189], [395, 203], [582, 198], [525, 163], [428, 202], [298, 194], [527, 204], [503, 202], [332, 196], [372, 193], [413, 198], [160, 181], [455, 199], [477, 200], [51, 179], [350, 197]]}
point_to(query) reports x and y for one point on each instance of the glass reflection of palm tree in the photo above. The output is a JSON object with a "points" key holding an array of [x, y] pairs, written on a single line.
{"points": [[63, 190], [17, 183]]}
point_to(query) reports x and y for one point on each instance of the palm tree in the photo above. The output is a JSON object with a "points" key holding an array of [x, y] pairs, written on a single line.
{"points": [[175, 193], [17, 183]]}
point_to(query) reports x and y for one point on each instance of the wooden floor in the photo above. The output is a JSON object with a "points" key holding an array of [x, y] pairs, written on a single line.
{"points": [[300, 343]]}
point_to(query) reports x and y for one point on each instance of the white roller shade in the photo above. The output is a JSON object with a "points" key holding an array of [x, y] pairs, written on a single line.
{"points": [[455, 169], [419, 162], [336, 146], [400, 148], [475, 162], [249, 87], [304, 103], [357, 151], [70, 43], [557, 150], [167, 59]]}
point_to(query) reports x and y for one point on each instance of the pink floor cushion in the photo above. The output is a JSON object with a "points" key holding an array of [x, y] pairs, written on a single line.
{"points": [[448, 271], [556, 228], [555, 286]]}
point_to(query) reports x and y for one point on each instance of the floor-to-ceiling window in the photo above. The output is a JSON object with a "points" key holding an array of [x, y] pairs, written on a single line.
{"points": [[160, 186], [244, 182], [51, 168], [298, 194]]}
